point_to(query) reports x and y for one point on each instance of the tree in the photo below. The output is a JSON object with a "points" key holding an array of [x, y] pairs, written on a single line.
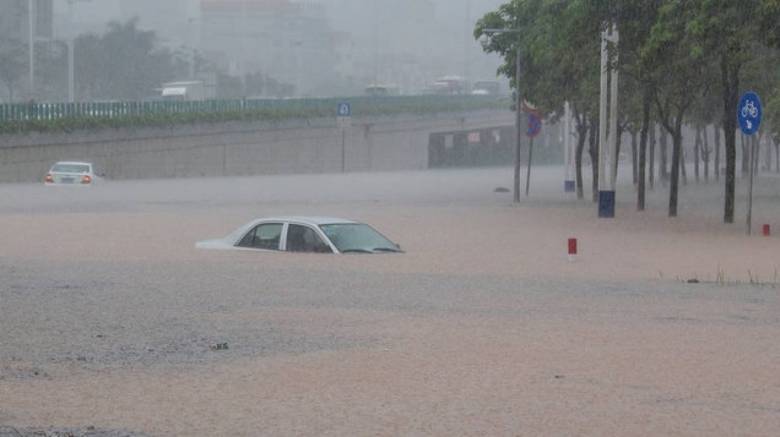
{"points": [[680, 78], [123, 63], [559, 46], [13, 64], [705, 112], [728, 32], [635, 20]]}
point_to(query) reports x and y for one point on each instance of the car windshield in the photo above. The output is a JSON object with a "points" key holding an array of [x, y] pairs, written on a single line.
{"points": [[70, 168], [357, 237]]}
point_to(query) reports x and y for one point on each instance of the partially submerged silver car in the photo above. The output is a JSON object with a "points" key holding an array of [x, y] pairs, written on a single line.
{"points": [[71, 173], [304, 234]]}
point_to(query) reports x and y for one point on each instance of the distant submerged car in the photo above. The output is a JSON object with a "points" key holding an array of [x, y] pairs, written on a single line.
{"points": [[304, 234], [72, 173]]}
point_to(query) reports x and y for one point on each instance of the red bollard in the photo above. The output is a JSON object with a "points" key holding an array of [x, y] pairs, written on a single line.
{"points": [[572, 248], [766, 230]]}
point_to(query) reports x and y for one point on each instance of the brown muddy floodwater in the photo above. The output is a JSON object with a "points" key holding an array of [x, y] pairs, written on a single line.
{"points": [[110, 319]]}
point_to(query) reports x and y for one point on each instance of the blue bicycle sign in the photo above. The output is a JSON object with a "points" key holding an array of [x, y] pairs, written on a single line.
{"points": [[749, 113], [344, 109]]}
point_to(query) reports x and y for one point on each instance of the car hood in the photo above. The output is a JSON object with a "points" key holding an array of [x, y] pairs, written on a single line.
{"points": [[217, 243]]}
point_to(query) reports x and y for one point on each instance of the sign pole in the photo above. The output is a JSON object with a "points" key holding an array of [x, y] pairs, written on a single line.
{"points": [[343, 150], [344, 121], [749, 114], [750, 186]]}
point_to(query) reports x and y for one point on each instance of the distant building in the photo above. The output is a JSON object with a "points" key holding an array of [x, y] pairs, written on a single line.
{"points": [[176, 22], [14, 19], [391, 41], [15, 29], [290, 42]]}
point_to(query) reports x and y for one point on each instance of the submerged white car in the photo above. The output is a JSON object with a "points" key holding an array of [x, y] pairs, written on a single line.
{"points": [[304, 234], [71, 173]]}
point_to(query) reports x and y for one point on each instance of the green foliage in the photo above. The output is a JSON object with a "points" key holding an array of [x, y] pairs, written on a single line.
{"points": [[689, 57], [772, 111], [123, 63], [556, 39]]}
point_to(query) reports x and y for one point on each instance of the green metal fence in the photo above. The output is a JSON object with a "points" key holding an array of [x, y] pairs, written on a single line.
{"points": [[24, 113]]}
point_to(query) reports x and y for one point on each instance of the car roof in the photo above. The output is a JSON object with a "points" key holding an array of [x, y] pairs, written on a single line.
{"points": [[72, 163], [309, 220]]}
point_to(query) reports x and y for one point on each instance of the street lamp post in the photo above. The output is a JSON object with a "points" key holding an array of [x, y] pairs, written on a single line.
{"points": [[518, 108], [31, 44], [607, 128], [70, 40]]}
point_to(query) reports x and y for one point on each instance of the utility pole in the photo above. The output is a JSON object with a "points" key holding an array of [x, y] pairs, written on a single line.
{"points": [[70, 40], [31, 44], [607, 140], [613, 116], [569, 183], [71, 72]]}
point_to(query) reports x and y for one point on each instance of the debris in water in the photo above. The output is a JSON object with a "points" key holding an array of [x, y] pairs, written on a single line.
{"points": [[220, 347]]}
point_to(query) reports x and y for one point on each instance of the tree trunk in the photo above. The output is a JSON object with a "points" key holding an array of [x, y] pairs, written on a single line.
{"points": [[674, 183], [634, 174], [696, 153], [594, 157], [767, 156], [705, 154], [663, 143], [717, 152], [683, 169], [730, 84], [582, 132], [651, 169], [640, 172], [516, 182], [777, 157]]}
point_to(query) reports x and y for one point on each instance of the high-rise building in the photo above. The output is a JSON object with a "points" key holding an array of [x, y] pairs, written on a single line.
{"points": [[287, 41], [15, 19]]}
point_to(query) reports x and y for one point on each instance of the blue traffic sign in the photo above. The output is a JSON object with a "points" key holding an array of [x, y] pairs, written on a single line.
{"points": [[344, 110], [534, 124], [749, 113]]}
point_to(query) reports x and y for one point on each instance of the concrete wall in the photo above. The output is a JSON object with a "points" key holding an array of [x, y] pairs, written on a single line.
{"points": [[240, 148]]}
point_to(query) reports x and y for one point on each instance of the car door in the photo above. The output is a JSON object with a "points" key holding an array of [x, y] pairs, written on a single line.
{"points": [[264, 236], [303, 238]]}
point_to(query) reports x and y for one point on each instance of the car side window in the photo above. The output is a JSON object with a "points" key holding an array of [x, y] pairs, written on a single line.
{"points": [[304, 239], [265, 236]]}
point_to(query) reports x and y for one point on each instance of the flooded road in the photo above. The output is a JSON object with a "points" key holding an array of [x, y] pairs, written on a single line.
{"points": [[111, 319]]}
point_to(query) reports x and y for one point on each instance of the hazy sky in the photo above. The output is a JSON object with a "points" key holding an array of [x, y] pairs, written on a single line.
{"points": [[445, 38]]}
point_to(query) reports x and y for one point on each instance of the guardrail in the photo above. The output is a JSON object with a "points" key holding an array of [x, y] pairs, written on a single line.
{"points": [[66, 116]]}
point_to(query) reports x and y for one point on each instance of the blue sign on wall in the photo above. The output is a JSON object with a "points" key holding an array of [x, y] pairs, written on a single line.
{"points": [[344, 110], [749, 113]]}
